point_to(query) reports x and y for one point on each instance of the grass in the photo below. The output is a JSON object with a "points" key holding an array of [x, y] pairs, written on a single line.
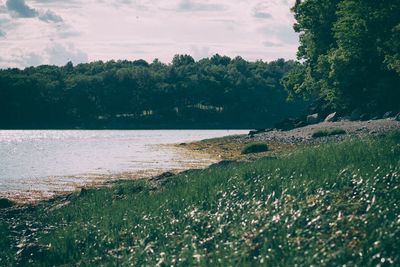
{"points": [[254, 148], [328, 132], [327, 205]]}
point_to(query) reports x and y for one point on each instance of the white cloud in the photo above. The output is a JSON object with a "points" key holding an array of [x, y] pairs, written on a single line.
{"points": [[261, 11], [50, 16], [132, 29], [197, 5], [59, 54]]}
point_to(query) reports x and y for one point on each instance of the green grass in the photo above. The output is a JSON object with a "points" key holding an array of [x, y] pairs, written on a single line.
{"points": [[328, 132], [254, 148], [327, 205]]}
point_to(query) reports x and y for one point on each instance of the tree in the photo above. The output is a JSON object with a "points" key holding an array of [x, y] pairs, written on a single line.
{"points": [[350, 51]]}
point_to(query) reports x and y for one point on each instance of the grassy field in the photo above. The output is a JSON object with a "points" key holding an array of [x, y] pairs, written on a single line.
{"points": [[327, 205]]}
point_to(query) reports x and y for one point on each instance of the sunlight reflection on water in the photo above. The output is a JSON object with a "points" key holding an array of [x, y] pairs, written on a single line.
{"points": [[38, 163]]}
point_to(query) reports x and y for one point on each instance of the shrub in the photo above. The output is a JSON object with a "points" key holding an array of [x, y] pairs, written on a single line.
{"points": [[254, 148], [328, 132]]}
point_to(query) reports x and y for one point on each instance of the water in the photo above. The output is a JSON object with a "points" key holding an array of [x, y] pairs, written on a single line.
{"points": [[36, 164]]}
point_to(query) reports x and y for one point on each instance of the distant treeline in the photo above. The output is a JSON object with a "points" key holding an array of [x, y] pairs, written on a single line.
{"points": [[216, 92]]}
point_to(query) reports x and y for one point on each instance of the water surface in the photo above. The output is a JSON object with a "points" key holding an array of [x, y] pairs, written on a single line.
{"points": [[38, 163]]}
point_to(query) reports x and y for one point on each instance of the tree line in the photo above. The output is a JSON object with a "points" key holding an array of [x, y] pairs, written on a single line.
{"points": [[216, 92]]}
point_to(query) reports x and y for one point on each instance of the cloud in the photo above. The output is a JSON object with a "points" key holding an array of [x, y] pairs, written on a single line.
{"points": [[52, 54], [33, 59], [192, 5], [81, 31], [3, 9], [199, 52], [272, 44], [283, 33], [65, 34], [6, 26], [50, 16], [59, 54], [19, 59], [260, 11], [20, 9]]}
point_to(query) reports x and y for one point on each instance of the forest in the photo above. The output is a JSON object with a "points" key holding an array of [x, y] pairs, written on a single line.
{"points": [[216, 92]]}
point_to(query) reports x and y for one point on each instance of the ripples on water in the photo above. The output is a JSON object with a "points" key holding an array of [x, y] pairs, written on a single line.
{"points": [[36, 164]]}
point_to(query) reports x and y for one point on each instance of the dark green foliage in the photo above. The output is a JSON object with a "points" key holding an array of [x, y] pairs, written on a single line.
{"points": [[219, 92], [254, 148], [5, 203], [6, 255], [328, 132], [351, 53], [331, 205]]}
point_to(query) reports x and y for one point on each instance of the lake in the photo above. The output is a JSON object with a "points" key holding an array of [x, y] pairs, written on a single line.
{"points": [[36, 164]]}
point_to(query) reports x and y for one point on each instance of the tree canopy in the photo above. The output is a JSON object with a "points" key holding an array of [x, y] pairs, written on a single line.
{"points": [[216, 92], [350, 50]]}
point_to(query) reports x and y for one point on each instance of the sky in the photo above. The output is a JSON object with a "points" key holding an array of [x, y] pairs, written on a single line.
{"points": [[36, 32]]}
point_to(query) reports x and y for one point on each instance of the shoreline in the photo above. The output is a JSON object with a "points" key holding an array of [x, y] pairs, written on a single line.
{"points": [[225, 148], [194, 160]]}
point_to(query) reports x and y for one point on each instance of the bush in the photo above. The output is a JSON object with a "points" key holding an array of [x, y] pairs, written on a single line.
{"points": [[254, 148], [328, 132]]}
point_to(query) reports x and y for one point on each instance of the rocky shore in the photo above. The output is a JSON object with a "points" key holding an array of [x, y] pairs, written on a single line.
{"points": [[304, 135], [280, 141]]}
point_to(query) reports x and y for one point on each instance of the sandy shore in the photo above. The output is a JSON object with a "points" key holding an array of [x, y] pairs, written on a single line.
{"points": [[56, 186]]}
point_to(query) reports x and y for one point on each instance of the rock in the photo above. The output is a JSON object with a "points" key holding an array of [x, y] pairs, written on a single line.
{"points": [[258, 131], [286, 124], [5, 203], [387, 115], [355, 115], [313, 118], [253, 132], [331, 117]]}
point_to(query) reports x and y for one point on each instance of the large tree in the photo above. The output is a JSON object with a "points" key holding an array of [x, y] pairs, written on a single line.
{"points": [[350, 53]]}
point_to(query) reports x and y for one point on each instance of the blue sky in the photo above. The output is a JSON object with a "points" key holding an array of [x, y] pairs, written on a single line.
{"points": [[34, 32]]}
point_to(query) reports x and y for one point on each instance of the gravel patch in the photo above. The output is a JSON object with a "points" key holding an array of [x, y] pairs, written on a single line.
{"points": [[303, 135]]}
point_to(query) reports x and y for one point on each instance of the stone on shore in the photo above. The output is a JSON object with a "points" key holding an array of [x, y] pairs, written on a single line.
{"points": [[331, 117]]}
